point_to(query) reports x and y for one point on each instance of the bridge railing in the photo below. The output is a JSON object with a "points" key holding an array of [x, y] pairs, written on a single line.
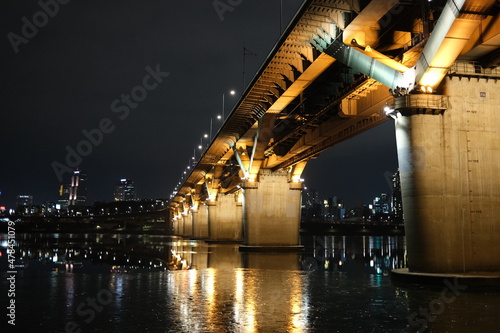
{"points": [[421, 102], [472, 68]]}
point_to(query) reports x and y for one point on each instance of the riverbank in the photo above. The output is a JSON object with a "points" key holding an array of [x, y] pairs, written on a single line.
{"points": [[86, 227]]}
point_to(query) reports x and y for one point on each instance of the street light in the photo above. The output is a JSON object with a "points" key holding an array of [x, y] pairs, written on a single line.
{"points": [[232, 92], [218, 118], [205, 136]]}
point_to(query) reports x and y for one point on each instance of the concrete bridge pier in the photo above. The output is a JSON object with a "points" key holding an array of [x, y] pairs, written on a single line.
{"points": [[179, 218], [187, 218], [175, 226], [178, 225], [200, 222], [224, 218], [449, 160], [181, 222], [271, 210]]}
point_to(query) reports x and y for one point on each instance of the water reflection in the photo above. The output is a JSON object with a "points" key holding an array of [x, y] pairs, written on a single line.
{"points": [[256, 288], [88, 253], [219, 300], [160, 284], [354, 255]]}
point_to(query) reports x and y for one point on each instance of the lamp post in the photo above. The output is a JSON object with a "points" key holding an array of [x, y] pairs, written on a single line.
{"points": [[205, 136], [232, 92], [211, 121]]}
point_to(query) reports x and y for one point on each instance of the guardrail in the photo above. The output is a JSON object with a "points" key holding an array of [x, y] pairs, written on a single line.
{"points": [[472, 68], [421, 101]]}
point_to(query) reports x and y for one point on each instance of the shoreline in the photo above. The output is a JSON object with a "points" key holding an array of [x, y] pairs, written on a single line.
{"points": [[325, 229]]}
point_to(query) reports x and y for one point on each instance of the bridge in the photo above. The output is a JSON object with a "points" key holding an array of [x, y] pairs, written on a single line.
{"points": [[339, 69]]}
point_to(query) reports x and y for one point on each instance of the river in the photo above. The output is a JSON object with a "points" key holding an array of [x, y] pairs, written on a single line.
{"points": [[139, 283]]}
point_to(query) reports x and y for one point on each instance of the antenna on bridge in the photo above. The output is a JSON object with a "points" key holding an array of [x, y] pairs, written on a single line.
{"points": [[246, 52], [281, 15]]}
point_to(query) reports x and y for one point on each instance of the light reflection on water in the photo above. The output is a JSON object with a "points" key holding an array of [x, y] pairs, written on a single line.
{"points": [[159, 284], [246, 300]]}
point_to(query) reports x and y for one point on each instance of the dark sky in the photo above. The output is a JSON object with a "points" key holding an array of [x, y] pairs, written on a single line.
{"points": [[65, 77]]}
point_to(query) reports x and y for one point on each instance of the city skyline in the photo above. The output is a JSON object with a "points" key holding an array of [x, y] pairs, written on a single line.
{"points": [[72, 192], [65, 97]]}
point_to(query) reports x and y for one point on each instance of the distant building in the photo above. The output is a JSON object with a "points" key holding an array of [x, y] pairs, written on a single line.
{"points": [[24, 200], [125, 190], [74, 192], [381, 205], [64, 196], [48, 208], [24, 204], [312, 207], [310, 198], [78, 189], [334, 208], [397, 200]]}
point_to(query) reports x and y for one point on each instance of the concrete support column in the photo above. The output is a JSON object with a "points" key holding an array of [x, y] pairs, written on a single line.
{"points": [[175, 226], [224, 218], [182, 222], [180, 225], [200, 222], [188, 224], [450, 179], [169, 222], [272, 210]]}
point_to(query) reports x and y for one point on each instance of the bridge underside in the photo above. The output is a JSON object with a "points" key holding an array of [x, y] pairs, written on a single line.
{"points": [[327, 80]]}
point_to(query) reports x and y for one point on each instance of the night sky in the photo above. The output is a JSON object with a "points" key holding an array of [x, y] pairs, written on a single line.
{"points": [[66, 76]]}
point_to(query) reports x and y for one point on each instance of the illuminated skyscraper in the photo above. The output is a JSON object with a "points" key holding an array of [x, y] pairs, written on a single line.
{"points": [[397, 201], [125, 190], [78, 189], [74, 193]]}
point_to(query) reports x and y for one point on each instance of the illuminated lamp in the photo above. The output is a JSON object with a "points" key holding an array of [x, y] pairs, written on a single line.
{"points": [[390, 112]]}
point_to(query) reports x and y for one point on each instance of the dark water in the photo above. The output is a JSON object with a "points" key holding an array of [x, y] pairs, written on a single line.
{"points": [[120, 283]]}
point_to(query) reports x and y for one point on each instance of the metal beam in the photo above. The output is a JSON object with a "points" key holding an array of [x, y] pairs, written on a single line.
{"points": [[365, 64], [426, 74]]}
